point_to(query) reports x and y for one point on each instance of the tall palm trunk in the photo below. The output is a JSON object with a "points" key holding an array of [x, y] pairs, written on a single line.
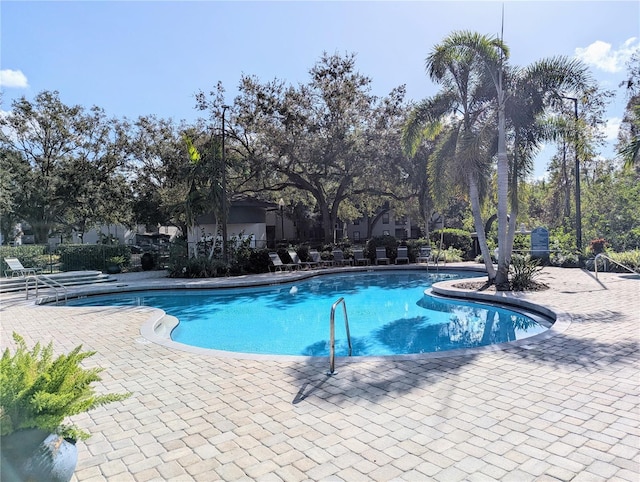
{"points": [[504, 253], [479, 225]]}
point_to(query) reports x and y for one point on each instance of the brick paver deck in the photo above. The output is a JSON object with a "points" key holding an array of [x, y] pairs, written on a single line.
{"points": [[565, 408]]}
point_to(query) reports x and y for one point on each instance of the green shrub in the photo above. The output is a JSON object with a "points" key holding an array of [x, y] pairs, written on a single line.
{"points": [[37, 391], [80, 257], [259, 261], [30, 255], [522, 243], [564, 259], [454, 238], [197, 267], [449, 255], [239, 254], [388, 242], [630, 259], [523, 270]]}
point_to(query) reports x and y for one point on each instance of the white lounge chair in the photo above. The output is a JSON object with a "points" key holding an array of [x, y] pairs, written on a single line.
{"points": [[16, 268]]}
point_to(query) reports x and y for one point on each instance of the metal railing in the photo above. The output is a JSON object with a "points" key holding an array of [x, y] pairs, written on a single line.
{"points": [[48, 282], [602, 255], [332, 334]]}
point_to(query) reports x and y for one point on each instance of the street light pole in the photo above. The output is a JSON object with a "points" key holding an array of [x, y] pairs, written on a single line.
{"points": [[577, 173], [225, 257]]}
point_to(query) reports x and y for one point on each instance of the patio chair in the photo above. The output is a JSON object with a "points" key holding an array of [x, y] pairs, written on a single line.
{"points": [[381, 255], [278, 265], [403, 255], [339, 259], [300, 264], [316, 259], [16, 268], [359, 259], [425, 255]]}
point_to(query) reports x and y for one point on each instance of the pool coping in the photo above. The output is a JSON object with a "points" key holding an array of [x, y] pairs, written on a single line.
{"points": [[158, 327]]}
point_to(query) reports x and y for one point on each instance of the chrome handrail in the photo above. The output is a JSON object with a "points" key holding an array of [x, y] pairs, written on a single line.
{"points": [[332, 334], [595, 263], [51, 283]]}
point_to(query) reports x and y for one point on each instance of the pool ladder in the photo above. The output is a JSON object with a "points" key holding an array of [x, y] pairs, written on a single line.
{"points": [[332, 334]]}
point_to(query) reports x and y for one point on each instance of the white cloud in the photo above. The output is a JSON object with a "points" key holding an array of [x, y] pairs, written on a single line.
{"points": [[600, 54], [612, 128], [13, 78]]}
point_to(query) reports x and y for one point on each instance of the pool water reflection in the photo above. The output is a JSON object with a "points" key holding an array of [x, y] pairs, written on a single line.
{"points": [[389, 314]]}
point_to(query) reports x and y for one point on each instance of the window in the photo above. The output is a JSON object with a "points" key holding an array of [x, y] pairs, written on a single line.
{"points": [[356, 236], [385, 218], [385, 232]]}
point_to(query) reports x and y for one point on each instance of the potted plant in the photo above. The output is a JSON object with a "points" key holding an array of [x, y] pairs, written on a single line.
{"points": [[115, 264], [37, 393]]}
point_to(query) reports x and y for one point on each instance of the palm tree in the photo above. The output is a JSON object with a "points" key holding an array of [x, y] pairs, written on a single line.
{"points": [[458, 117], [486, 57], [534, 89], [629, 137], [467, 63]]}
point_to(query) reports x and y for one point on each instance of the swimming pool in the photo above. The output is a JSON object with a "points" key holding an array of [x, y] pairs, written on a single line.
{"points": [[389, 314]]}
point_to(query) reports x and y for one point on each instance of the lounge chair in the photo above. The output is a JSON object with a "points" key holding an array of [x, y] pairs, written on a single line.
{"points": [[16, 268], [317, 260], [339, 259], [300, 264], [381, 256], [403, 255], [425, 255], [278, 265], [359, 259]]}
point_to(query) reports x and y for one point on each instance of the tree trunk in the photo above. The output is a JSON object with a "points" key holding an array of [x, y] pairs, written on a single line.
{"points": [[41, 232], [515, 207], [327, 224], [502, 275], [477, 220]]}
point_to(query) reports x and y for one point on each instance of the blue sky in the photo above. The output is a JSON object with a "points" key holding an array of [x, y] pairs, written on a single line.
{"points": [[140, 58]]}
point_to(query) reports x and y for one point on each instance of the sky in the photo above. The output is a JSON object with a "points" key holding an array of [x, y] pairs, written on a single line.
{"points": [[135, 58]]}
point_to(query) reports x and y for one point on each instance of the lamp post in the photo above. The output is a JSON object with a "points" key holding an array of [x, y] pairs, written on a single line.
{"points": [[577, 173], [281, 205], [224, 189]]}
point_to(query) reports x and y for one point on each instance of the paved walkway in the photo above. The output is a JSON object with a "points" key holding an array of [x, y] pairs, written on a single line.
{"points": [[566, 408]]}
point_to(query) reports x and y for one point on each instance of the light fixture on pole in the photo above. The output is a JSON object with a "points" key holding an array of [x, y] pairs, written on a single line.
{"points": [[577, 173], [281, 205], [224, 189]]}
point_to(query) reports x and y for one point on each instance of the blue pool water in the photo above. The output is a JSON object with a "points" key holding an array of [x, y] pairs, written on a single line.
{"points": [[389, 314]]}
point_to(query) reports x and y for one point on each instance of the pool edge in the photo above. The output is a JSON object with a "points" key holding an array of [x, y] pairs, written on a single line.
{"points": [[560, 323]]}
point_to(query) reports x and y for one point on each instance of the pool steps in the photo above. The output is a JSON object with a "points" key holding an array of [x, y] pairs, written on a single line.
{"points": [[165, 325], [70, 278]]}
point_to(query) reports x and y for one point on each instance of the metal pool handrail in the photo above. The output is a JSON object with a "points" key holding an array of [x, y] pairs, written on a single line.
{"points": [[51, 283], [602, 255], [332, 334]]}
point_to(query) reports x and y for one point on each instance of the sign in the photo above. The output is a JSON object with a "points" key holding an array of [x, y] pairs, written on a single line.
{"points": [[540, 243]]}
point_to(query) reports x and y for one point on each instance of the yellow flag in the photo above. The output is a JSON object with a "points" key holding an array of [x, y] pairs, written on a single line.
{"points": [[194, 155]]}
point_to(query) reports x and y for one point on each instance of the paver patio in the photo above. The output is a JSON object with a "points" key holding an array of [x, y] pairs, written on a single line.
{"points": [[565, 408]]}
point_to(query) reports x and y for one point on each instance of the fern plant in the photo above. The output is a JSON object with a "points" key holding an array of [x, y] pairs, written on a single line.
{"points": [[38, 391]]}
